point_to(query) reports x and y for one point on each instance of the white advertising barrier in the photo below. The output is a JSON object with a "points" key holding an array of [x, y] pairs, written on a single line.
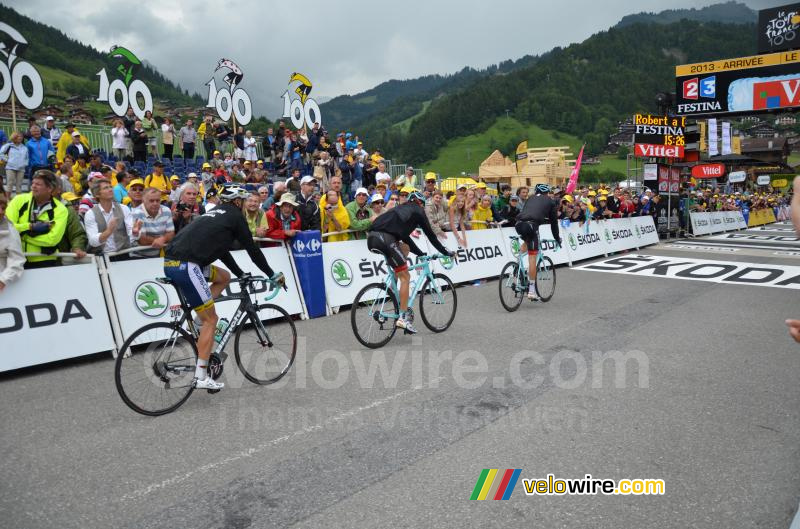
{"points": [[705, 223], [601, 237], [139, 299], [52, 314], [349, 265]]}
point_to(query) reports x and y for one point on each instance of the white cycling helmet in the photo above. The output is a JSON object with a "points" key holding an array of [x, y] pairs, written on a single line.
{"points": [[233, 192]]}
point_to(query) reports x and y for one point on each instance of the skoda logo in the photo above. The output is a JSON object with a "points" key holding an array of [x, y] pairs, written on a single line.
{"points": [[448, 264], [638, 233], [515, 247], [341, 272], [151, 299], [572, 242], [608, 236]]}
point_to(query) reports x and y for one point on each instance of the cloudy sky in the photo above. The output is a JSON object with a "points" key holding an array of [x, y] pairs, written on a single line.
{"points": [[343, 47]]}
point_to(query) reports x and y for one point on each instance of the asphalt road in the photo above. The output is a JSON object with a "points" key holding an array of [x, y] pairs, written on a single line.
{"points": [[707, 401]]}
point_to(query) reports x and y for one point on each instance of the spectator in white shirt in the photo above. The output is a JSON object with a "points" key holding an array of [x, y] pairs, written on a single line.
{"points": [[109, 226], [119, 135]]}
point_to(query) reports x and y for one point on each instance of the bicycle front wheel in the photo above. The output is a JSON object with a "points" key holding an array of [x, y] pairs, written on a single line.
{"points": [[545, 279], [265, 351], [373, 315], [438, 303], [511, 289], [155, 368]]}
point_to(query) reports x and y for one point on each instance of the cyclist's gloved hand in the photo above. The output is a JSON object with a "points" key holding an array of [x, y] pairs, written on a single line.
{"points": [[451, 253], [279, 279], [40, 228]]}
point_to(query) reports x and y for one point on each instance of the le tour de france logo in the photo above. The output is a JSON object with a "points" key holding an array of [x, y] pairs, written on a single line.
{"points": [[124, 91], [14, 72], [303, 111], [230, 98]]}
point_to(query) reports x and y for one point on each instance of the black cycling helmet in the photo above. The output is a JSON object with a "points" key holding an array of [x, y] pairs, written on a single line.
{"points": [[542, 189], [416, 195]]}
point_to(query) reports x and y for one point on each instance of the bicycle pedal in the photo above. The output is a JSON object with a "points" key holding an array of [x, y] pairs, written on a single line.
{"points": [[212, 391]]}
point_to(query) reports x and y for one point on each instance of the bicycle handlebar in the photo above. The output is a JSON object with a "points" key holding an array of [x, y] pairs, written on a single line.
{"points": [[247, 280]]}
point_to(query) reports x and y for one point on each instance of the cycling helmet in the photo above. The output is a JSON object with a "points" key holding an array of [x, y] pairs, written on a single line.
{"points": [[542, 189], [232, 193], [416, 195]]}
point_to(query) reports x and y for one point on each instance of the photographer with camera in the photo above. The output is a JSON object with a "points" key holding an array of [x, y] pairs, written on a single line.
{"points": [[186, 209]]}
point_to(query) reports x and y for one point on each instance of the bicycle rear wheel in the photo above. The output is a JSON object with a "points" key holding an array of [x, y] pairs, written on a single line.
{"points": [[438, 303], [373, 315], [545, 279], [511, 290], [265, 351], [155, 368]]}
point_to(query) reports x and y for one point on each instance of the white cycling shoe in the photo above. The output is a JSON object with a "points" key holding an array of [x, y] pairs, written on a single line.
{"points": [[532, 295], [208, 383], [406, 325]]}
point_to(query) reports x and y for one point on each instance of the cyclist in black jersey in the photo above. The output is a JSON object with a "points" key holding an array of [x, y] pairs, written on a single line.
{"points": [[392, 228], [187, 262], [538, 210]]}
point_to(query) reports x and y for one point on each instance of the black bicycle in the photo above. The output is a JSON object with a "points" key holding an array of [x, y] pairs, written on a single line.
{"points": [[155, 367]]}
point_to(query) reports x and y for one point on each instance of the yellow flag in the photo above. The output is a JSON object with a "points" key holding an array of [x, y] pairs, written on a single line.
{"points": [[702, 127], [522, 155], [736, 145]]}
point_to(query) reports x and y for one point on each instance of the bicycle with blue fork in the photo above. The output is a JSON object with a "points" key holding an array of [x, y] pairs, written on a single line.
{"points": [[376, 309], [514, 279]]}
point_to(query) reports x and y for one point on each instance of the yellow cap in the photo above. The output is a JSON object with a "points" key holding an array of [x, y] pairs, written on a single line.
{"points": [[481, 185], [206, 165], [407, 189], [430, 175], [217, 152], [69, 196], [568, 198], [136, 182], [174, 177], [592, 193]]}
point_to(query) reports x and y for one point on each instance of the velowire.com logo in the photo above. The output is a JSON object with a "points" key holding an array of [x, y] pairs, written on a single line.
{"points": [[496, 484]]}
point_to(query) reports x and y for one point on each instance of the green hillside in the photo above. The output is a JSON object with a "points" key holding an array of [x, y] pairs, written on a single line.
{"points": [[466, 153]]}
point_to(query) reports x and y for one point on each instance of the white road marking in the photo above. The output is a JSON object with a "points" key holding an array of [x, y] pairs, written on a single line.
{"points": [[706, 248], [250, 452], [725, 272]]}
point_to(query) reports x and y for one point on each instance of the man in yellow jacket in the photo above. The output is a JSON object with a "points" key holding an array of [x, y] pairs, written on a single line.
{"points": [[66, 140], [40, 219]]}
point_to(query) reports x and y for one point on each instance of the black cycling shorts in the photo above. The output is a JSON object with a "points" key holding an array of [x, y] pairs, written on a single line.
{"points": [[388, 246], [529, 231]]}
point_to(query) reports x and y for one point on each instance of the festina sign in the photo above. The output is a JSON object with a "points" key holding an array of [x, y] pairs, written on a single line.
{"points": [[710, 170], [648, 150]]}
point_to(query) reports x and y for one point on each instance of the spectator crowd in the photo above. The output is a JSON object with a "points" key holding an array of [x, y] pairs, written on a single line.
{"points": [[91, 201]]}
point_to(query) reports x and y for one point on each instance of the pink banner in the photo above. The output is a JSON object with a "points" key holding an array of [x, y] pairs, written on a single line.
{"points": [[573, 177]]}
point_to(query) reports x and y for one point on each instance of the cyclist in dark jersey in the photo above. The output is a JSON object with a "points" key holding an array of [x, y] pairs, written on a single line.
{"points": [[538, 210], [393, 227], [187, 262]]}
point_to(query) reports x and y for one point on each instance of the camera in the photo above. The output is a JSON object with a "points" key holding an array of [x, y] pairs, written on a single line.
{"points": [[182, 207]]}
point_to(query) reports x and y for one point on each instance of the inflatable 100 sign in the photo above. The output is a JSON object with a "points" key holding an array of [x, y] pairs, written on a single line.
{"points": [[230, 99], [300, 110], [12, 46], [125, 91]]}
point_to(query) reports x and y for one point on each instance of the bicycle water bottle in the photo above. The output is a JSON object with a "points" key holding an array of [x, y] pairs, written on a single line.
{"points": [[222, 326]]}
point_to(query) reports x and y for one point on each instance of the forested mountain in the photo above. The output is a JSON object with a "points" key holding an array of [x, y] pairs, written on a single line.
{"points": [[49, 47], [583, 89], [349, 111], [727, 13]]}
